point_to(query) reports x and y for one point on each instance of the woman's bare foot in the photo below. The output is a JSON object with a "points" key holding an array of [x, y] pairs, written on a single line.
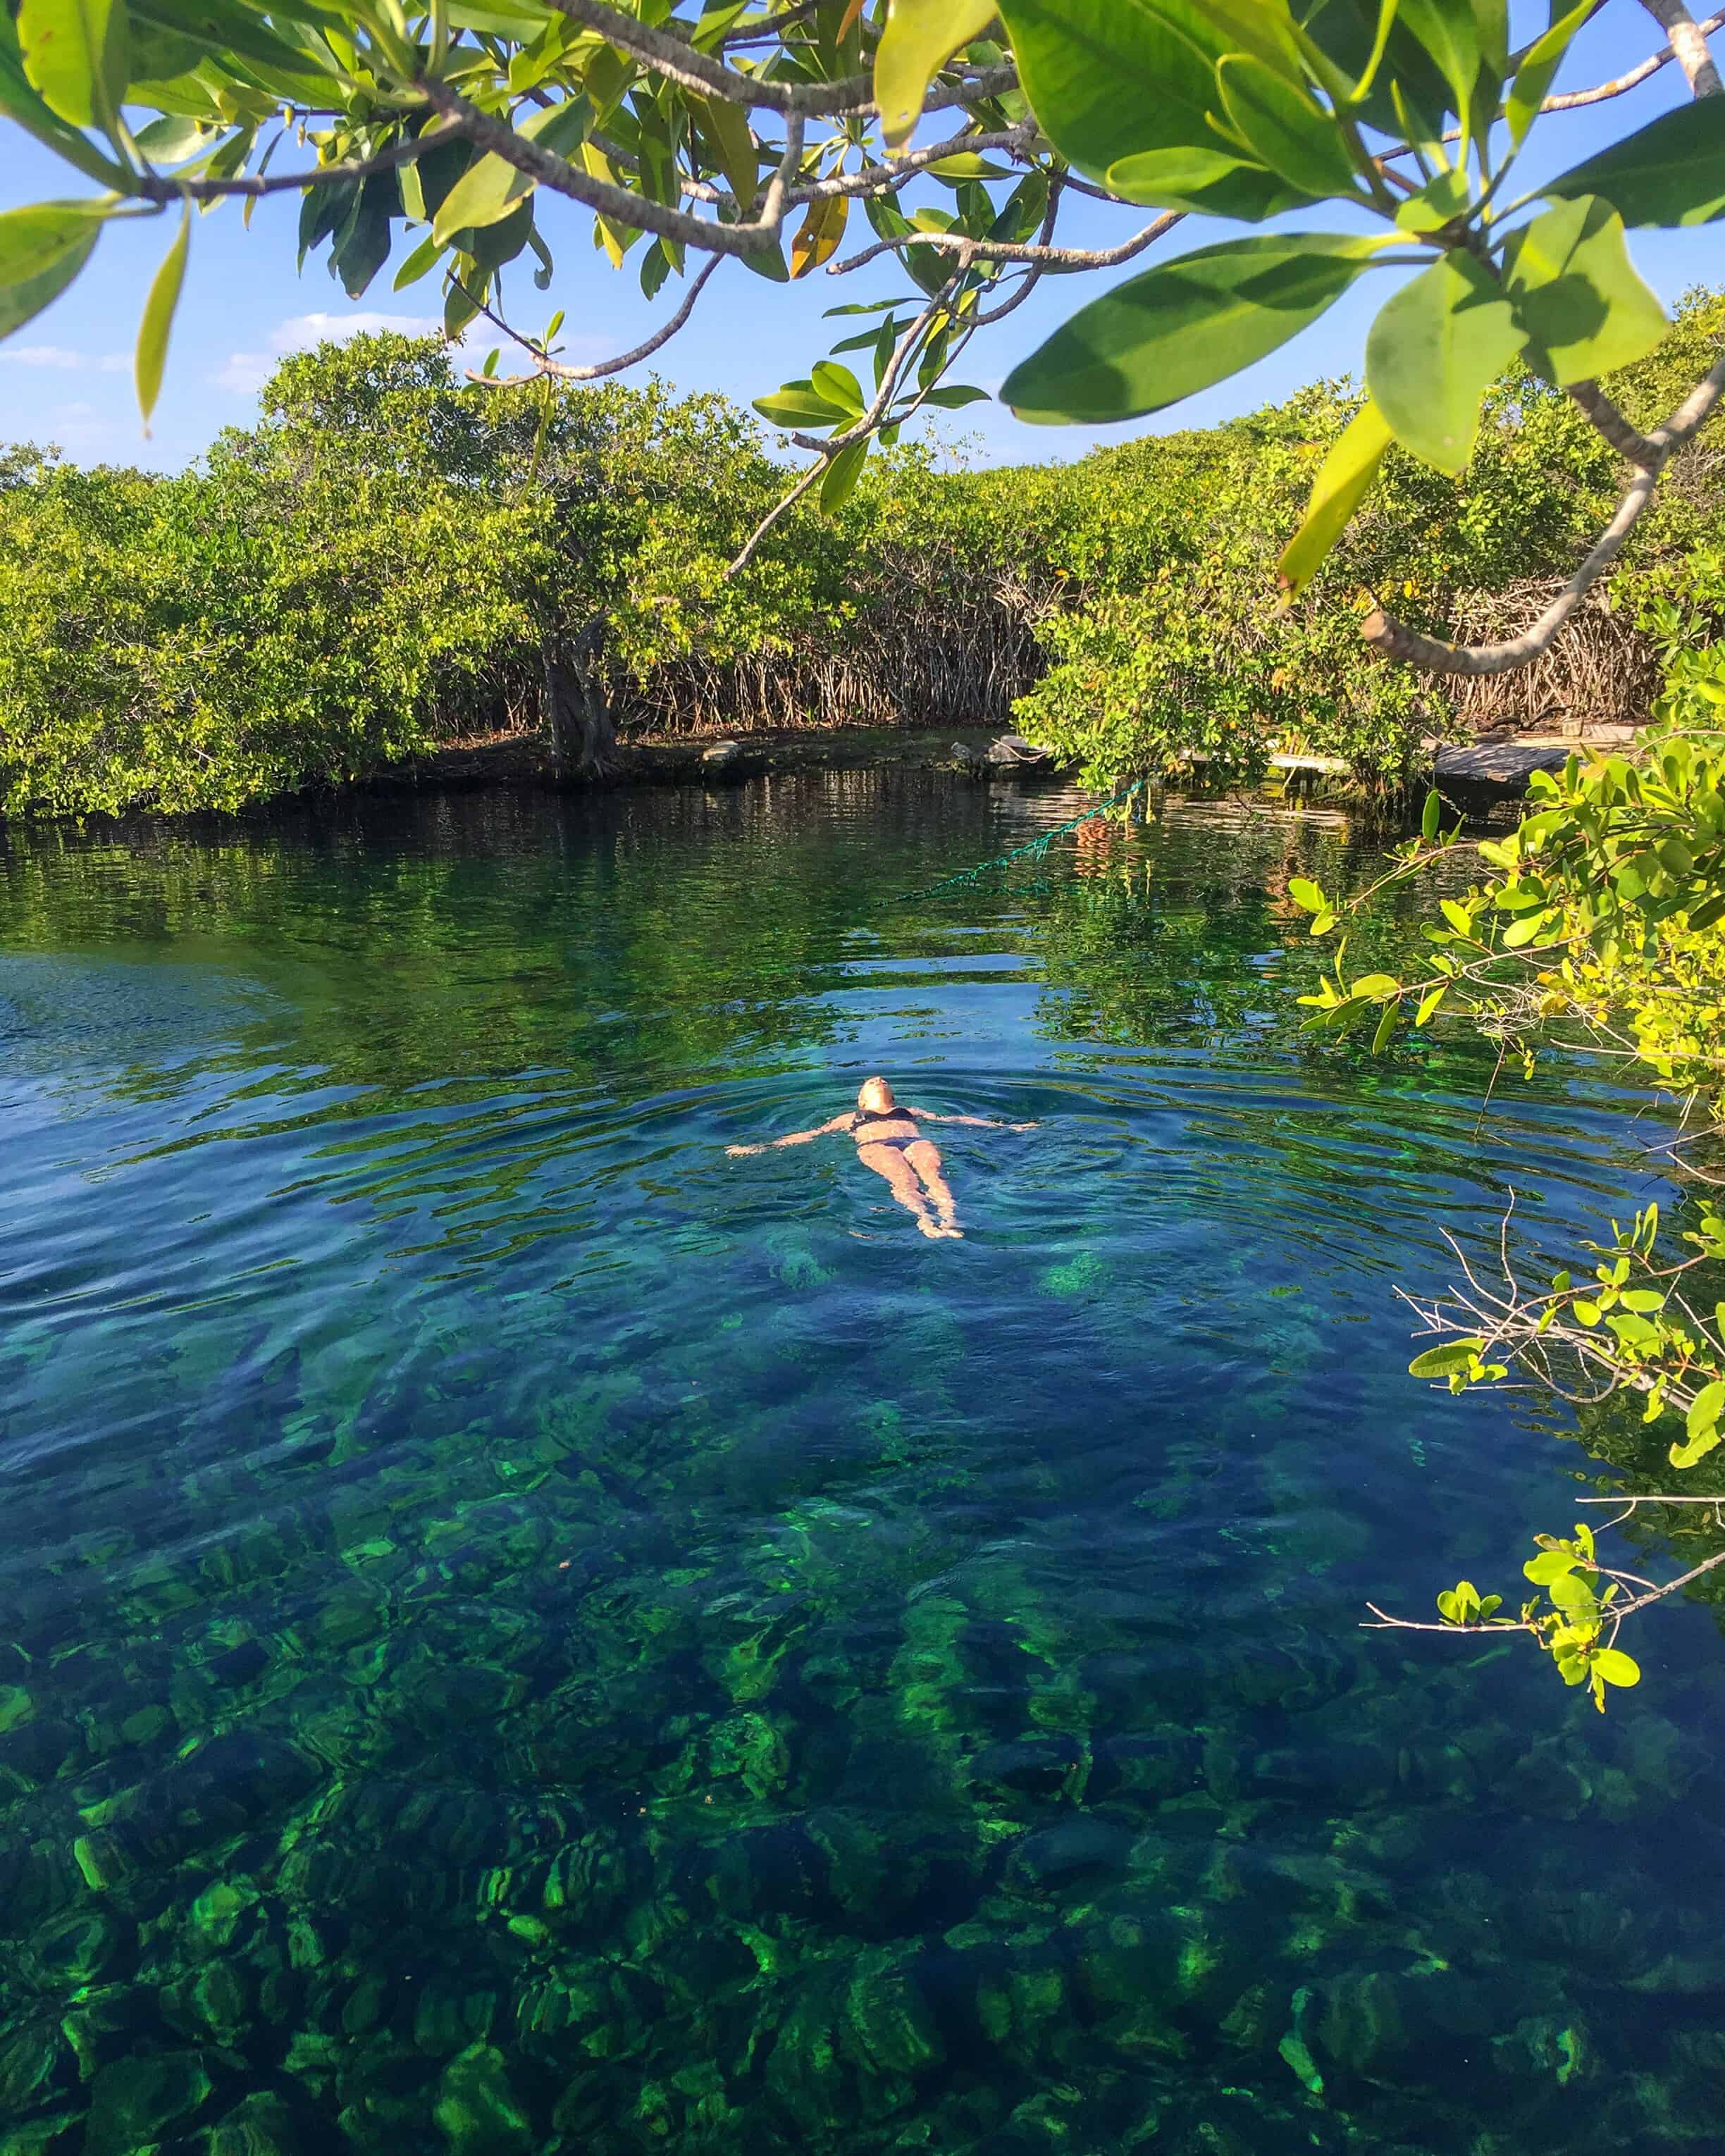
{"points": [[951, 1228], [931, 1228]]}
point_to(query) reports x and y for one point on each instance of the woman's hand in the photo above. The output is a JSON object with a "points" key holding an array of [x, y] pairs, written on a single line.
{"points": [[742, 1152], [1021, 1126]]}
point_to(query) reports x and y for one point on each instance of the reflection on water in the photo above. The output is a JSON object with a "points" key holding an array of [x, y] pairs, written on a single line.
{"points": [[519, 1633]]}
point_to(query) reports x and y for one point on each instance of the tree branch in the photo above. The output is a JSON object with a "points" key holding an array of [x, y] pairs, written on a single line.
{"points": [[1392, 639], [619, 204], [601, 368], [1689, 42], [678, 61], [1003, 250], [151, 186]]}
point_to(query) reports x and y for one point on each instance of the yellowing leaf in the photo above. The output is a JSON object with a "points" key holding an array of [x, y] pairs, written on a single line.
{"points": [[921, 36], [818, 239], [615, 239], [1341, 485]]}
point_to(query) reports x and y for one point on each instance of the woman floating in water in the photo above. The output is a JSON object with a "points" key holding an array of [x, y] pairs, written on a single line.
{"points": [[888, 1140]]}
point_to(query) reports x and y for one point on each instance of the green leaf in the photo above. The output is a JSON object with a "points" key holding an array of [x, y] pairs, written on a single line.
{"points": [[1343, 481], [842, 475], [1431, 1002], [1539, 70], [1452, 1355], [921, 36], [158, 318], [1569, 1591], [1191, 179], [425, 257], [1547, 1566], [1576, 294], [1445, 198], [727, 126], [1616, 1667], [799, 404], [1669, 173], [171, 141], [1307, 894], [1432, 353], [955, 395], [1175, 330], [485, 194], [1451, 34], [23, 301], [1703, 1419], [1586, 1313], [1386, 1027], [73, 51], [1108, 81], [21, 102], [768, 261], [1431, 815], [42, 249], [1285, 128], [838, 386]]}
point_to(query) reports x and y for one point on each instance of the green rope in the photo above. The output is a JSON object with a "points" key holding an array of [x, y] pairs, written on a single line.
{"points": [[1036, 850]]}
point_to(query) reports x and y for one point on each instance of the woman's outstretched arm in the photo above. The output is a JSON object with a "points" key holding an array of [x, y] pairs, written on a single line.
{"points": [[980, 1123], [794, 1137]]}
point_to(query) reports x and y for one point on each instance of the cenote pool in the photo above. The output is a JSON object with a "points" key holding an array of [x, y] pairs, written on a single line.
{"points": [[520, 1633]]}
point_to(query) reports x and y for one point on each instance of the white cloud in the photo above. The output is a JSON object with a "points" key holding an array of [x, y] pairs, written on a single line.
{"points": [[57, 356], [247, 372]]}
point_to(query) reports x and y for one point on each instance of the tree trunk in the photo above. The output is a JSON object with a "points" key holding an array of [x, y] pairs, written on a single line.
{"points": [[584, 733]]}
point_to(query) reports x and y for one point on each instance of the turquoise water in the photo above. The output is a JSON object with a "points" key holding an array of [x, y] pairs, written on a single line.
{"points": [[521, 1633]]}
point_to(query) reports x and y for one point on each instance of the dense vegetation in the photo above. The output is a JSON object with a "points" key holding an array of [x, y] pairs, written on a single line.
{"points": [[390, 558]]}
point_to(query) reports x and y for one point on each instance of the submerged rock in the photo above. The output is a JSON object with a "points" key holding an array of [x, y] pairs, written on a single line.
{"points": [[135, 2102], [477, 2111]]}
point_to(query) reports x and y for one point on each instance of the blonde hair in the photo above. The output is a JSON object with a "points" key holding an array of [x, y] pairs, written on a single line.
{"points": [[874, 1097]]}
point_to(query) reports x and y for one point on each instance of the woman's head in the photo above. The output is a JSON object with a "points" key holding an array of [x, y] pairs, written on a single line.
{"points": [[875, 1098]]}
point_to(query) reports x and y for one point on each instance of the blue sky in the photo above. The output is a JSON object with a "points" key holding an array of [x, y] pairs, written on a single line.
{"points": [[66, 378]]}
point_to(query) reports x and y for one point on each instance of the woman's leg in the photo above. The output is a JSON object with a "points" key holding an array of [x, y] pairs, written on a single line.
{"points": [[924, 1156], [889, 1161]]}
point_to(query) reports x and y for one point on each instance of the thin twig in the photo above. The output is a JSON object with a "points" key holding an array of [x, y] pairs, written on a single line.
{"points": [[1004, 250], [152, 187], [548, 366]]}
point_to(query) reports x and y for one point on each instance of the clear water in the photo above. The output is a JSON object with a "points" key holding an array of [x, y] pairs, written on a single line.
{"points": [[519, 1633]]}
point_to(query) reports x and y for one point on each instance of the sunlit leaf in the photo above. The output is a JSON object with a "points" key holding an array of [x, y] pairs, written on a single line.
{"points": [[1452, 1355], [1432, 352], [921, 37], [1616, 1667], [74, 51], [42, 249], [1180, 327], [1576, 294], [817, 240], [842, 475], [1669, 173], [1539, 70], [1342, 483], [157, 321], [1108, 82], [1285, 128]]}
